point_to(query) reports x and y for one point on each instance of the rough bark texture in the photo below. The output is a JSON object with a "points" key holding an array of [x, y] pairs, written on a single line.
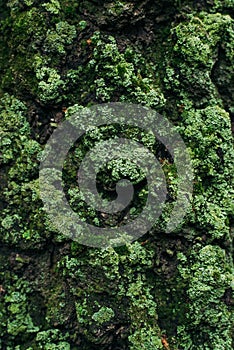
{"points": [[164, 291]]}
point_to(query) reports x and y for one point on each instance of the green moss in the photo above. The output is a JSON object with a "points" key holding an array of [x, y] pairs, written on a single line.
{"points": [[21, 190], [208, 135], [90, 308], [119, 72], [51, 339], [104, 314], [208, 319], [57, 294], [19, 322], [53, 6], [196, 50]]}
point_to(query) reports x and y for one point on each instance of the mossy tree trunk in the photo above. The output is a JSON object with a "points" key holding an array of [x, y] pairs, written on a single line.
{"points": [[166, 290]]}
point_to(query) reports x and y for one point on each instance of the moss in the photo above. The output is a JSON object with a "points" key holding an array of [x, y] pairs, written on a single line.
{"points": [[208, 277], [19, 323], [212, 160], [20, 152], [196, 50], [165, 290]]}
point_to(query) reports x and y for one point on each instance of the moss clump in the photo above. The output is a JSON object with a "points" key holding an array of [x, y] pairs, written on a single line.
{"points": [[208, 319], [189, 70], [208, 135], [20, 190]]}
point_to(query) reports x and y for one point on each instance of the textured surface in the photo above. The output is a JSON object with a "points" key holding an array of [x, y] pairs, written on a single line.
{"points": [[165, 291]]}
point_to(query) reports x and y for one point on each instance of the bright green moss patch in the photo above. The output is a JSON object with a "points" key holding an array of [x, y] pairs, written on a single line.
{"points": [[208, 135], [208, 318], [20, 188]]}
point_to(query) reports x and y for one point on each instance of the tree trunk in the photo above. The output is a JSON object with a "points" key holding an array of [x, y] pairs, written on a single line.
{"points": [[164, 289]]}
